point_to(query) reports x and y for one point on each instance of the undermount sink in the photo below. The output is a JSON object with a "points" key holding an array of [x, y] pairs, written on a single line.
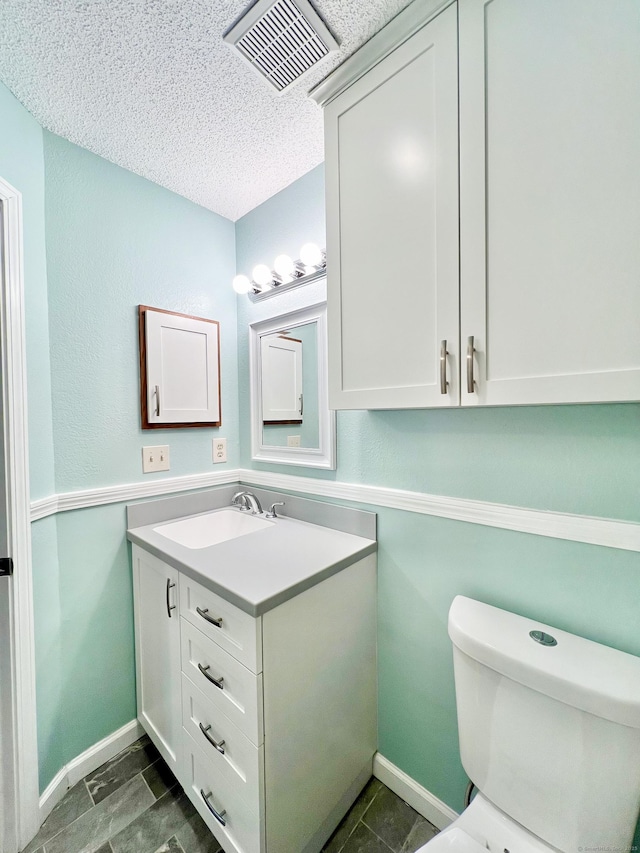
{"points": [[211, 528]]}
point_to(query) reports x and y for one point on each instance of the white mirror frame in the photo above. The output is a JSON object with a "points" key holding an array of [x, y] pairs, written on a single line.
{"points": [[325, 455]]}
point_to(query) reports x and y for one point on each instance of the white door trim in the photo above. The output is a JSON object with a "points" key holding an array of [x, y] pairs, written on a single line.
{"points": [[19, 768]]}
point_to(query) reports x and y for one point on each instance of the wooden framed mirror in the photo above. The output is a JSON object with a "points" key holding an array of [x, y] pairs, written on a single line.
{"points": [[179, 370]]}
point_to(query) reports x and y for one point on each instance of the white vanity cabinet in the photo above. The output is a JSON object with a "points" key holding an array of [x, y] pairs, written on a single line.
{"points": [[157, 629], [277, 712], [549, 193]]}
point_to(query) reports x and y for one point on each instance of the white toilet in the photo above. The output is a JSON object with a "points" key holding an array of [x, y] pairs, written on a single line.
{"points": [[549, 728]]}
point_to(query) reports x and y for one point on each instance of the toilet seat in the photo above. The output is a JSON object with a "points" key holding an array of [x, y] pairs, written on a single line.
{"points": [[452, 840]]}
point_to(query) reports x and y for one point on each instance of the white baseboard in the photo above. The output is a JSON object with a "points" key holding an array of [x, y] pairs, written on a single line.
{"points": [[423, 801], [86, 763]]}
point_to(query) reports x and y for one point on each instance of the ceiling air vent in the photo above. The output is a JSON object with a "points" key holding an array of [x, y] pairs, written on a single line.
{"points": [[281, 40]]}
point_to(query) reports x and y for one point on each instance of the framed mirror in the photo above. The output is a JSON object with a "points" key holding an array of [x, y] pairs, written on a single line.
{"points": [[290, 419]]}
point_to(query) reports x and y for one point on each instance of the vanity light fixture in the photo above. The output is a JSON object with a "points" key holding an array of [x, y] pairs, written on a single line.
{"points": [[286, 273]]}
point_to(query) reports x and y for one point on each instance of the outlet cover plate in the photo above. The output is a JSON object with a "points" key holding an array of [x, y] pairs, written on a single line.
{"points": [[155, 458], [219, 450]]}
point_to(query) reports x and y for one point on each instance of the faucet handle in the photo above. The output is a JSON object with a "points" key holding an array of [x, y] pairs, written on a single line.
{"points": [[272, 512]]}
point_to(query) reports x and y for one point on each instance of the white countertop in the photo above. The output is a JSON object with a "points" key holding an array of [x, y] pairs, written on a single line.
{"points": [[260, 570]]}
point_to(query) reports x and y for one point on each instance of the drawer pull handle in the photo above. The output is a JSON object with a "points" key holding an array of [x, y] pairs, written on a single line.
{"points": [[170, 606], [216, 681], [219, 816], [443, 367], [219, 745], [470, 352], [203, 613]]}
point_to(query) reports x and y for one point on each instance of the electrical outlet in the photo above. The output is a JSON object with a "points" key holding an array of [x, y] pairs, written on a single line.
{"points": [[155, 458], [219, 450], [293, 441]]}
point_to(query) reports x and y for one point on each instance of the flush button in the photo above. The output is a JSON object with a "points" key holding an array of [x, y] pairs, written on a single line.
{"points": [[543, 639]]}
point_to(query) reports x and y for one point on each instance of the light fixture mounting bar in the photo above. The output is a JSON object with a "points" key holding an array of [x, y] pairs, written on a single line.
{"points": [[288, 285]]}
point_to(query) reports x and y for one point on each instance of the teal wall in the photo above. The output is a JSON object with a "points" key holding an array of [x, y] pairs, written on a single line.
{"points": [[280, 225], [575, 459], [114, 241]]}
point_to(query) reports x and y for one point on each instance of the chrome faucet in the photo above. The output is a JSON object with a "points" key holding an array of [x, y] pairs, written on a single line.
{"points": [[246, 501]]}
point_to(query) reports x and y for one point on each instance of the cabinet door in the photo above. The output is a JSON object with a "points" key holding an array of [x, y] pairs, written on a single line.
{"points": [[157, 622], [550, 199], [391, 147], [180, 376]]}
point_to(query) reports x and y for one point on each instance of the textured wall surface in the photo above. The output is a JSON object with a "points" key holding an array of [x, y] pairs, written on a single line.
{"points": [[282, 225], [577, 459], [114, 240]]}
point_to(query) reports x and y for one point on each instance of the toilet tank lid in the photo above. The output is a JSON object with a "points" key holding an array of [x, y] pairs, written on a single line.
{"points": [[578, 672]]}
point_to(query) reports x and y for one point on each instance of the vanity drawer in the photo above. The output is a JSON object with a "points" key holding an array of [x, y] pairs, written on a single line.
{"points": [[242, 828], [227, 625], [233, 755], [239, 695]]}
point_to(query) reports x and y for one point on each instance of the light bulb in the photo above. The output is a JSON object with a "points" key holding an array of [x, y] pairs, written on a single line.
{"points": [[262, 275], [283, 265], [310, 255], [241, 284]]}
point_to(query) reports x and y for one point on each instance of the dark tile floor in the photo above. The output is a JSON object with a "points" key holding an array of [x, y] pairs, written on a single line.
{"points": [[133, 804]]}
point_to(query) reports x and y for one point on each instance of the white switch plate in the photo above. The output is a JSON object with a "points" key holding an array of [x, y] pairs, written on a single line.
{"points": [[155, 458], [219, 450], [293, 441]]}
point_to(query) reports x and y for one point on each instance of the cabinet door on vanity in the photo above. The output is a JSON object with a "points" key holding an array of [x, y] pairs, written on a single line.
{"points": [[391, 147], [550, 199], [157, 624]]}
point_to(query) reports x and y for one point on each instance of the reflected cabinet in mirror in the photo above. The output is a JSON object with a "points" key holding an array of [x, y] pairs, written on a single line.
{"points": [[290, 419]]}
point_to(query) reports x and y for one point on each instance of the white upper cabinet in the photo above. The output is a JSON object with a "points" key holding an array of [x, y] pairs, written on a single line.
{"points": [[392, 228], [546, 298], [550, 199]]}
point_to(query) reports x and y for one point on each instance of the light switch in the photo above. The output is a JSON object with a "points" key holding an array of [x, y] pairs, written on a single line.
{"points": [[155, 458], [293, 441]]}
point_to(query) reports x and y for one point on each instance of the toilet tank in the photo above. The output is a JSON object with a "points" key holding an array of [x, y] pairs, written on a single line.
{"points": [[549, 733]]}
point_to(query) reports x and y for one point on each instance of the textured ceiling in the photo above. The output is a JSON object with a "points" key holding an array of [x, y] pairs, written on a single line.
{"points": [[151, 86]]}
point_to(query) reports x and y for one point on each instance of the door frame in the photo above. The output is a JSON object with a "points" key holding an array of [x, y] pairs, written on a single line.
{"points": [[19, 788]]}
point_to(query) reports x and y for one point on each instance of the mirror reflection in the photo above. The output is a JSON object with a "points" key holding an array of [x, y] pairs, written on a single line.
{"points": [[291, 423], [289, 382]]}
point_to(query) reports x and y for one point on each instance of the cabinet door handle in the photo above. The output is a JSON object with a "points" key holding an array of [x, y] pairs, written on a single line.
{"points": [[219, 816], [443, 367], [203, 613], [470, 352], [170, 606], [301, 404], [219, 745], [217, 681], [157, 393]]}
